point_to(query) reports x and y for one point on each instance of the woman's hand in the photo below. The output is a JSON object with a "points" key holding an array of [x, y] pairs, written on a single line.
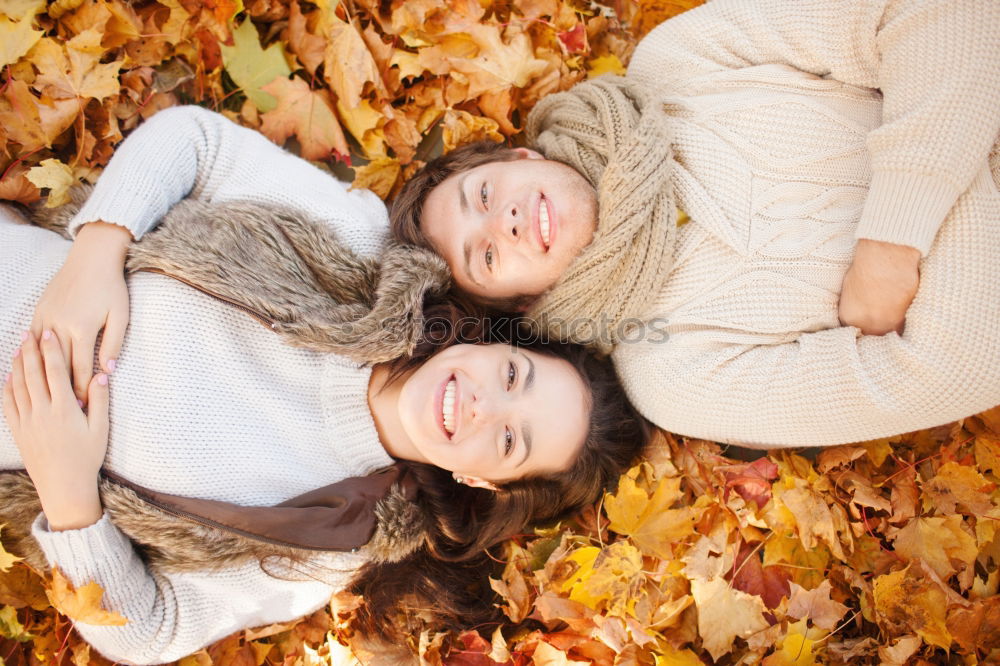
{"points": [[61, 447], [88, 294], [879, 287]]}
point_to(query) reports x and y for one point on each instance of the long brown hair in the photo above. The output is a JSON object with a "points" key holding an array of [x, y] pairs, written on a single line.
{"points": [[446, 577]]}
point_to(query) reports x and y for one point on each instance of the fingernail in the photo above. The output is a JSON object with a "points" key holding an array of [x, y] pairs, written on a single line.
{"points": [[17, 352], [7, 378], [112, 364], [46, 334], [24, 336], [102, 379], [79, 402]]}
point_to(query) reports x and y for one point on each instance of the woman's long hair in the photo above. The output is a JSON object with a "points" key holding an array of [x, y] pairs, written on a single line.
{"points": [[446, 579]]}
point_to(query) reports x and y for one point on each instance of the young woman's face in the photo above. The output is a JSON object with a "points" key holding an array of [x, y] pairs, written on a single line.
{"points": [[509, 229], [494, 412]]}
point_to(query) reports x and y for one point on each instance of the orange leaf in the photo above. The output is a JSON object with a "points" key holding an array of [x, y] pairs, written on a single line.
{"points": [[83, 604], [308, 114]]}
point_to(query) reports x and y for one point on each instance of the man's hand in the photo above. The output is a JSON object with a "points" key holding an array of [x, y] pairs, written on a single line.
{"points": [[879, 287], [86, 295], [61, 447]]}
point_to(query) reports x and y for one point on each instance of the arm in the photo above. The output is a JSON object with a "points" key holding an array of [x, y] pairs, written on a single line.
{"points": [[169, 615], [826, 388], [933, 60]]}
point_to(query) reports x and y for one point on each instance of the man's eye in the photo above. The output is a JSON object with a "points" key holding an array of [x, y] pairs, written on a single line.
{"points": [[483, 195], [489, 258], [508, 441], [511, 375]]}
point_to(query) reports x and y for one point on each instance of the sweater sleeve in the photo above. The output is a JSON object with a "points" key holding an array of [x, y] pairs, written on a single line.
{"points": [[934, 61], [190, 151], [172, 615], [830, 387]]}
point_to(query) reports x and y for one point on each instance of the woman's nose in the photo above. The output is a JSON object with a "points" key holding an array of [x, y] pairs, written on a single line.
{"points": [[485, 407]]}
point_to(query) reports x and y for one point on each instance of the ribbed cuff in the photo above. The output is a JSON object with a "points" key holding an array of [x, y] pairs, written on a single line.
{"points": [[98, 552], [125, 206], [906, 209]]}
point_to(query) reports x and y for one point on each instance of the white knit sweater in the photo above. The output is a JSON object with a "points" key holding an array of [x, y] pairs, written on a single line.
{"points": [[205, 401], [786, 153]]}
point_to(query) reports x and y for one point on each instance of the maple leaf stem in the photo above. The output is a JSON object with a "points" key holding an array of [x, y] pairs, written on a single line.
{"points": [[18, 161], [908, 466], [838, 628]]}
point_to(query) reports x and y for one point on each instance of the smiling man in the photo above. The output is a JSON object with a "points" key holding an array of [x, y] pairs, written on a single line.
{"points": [[839, 279]]}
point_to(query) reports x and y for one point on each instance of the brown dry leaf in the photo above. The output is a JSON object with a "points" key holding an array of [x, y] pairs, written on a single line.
{"points": [[380, 176], [547, 655], [977, 627], [68, 73], [82, 604], [461, 127], [6, 559], [348, 65], [906, 602], [958, 488], [900, 651], [307, 114], [725, 614], [512, 586]]}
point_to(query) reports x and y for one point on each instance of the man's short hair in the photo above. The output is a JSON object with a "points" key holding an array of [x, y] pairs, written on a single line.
{"points": [[407, 208]]}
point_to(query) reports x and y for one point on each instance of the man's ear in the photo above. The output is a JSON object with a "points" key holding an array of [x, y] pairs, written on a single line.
{"points": [[529, 154], [476, 482]]}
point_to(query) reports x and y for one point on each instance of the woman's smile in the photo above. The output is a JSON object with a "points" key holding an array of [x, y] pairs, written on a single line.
{"points": [[446, 406]]}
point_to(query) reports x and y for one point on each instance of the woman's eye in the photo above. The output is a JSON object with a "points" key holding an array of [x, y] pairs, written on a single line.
{"points": [[483, 195], [489, 258], [511, 375], [508, 441]]}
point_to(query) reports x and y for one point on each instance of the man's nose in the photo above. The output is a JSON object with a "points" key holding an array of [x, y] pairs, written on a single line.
{"points": [[507, 223]]}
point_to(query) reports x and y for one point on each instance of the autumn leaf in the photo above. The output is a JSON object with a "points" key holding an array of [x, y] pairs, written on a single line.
{"points": [[11, 627], [251, 67], [512, 587], [81, 604], [958, 487], [306, 114], [348, 63], [908, 603], [938, 541], [56, 176], [725, 614], [648, 519], [606, 64], [16, 38], [70, 73], [6, 559], [816, 605]]}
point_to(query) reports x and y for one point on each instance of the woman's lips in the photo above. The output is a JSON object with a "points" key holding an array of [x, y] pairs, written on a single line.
{"points": [[446, 403]]}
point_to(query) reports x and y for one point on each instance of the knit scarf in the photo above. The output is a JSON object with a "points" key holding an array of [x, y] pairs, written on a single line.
{"points": [[621, 143]]}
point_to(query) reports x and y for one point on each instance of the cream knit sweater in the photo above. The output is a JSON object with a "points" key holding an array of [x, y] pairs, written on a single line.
{"points": [[205, 401], [786, 153]]}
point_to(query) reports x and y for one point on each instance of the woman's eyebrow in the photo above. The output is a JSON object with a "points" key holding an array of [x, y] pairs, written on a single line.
{"points": [[463, 203], [529, 381]]}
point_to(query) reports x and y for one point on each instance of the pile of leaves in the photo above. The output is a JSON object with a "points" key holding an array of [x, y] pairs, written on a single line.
{"points": [[882, 552]]}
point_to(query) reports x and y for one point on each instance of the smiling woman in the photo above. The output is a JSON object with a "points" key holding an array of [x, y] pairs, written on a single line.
{"points": [[308, 416]]}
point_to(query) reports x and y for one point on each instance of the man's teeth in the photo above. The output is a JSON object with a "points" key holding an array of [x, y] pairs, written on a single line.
{"points": [[448, 407], [543, 221]]}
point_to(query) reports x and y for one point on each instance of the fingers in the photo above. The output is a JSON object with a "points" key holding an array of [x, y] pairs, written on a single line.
{"points": [[56, 375], [34, 372], [82, 361], [18, 386], [97, 407], [111, 343], [10, 413]]}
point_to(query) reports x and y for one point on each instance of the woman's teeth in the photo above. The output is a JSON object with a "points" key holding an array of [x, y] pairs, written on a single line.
{"points": [[448, 407], [543, 221]]}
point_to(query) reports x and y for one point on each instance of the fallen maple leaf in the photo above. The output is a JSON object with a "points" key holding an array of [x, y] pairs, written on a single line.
{"points": [[81, 604], [905, 602], [938, 541], [816, 605], [251, 67], [16, 38], [725, 614], [307, 114], [648, 519], [56, 176], [6, 559]]}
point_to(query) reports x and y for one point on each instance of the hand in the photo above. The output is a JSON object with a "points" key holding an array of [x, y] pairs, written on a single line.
{"points": [[61, 447], [879, 287], [88, 294]]}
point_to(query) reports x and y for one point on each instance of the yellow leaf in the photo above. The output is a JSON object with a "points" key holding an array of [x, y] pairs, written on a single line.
{"points": [[6, 559], [68, 73], [461, 127], [83, 604], [348, 64], [11, 627], [796, 648], [379, 176], [251, 67], [605, 578], [937, 541], [56, 176], [958, 488], [547, 655], [363, 122], [670, 656], [609, 64], [16, 39], [20, 9], [906, 602], [649, 520], [725, 614]]}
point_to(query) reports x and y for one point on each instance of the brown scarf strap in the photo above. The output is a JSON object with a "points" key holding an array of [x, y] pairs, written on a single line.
{"points": [[337, 517]]}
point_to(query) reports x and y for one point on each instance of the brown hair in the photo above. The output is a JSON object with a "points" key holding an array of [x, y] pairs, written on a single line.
{"points": [[447, 576], [407, 209]]}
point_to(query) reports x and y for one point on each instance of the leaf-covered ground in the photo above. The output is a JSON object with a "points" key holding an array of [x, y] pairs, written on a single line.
{"points": [[884, 552]]}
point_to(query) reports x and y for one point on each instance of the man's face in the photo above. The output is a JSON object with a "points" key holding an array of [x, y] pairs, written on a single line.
{"points": [[510, 229]]}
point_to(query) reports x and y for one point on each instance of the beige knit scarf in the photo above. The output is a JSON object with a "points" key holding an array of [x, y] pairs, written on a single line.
{"points": [[621, 143]]}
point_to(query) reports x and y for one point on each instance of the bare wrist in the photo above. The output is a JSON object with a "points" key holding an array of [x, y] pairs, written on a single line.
{"points": [[111, 239], [79, 512]]}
